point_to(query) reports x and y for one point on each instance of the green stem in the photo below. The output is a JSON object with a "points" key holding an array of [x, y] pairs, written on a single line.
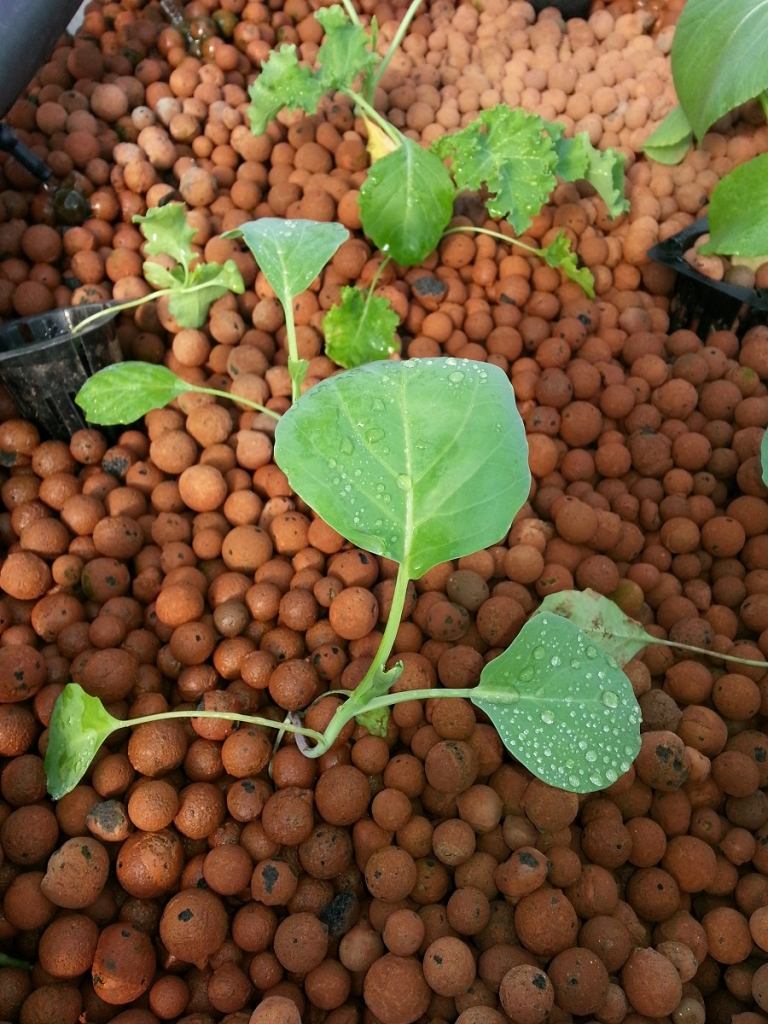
{"points": [[229, 716], [465, 229], [297, 368], [397, 39], [763, 98], [707, 653], [235, 398], [358, 702], [349, 7], [371, 112], [111, 311], [11, 961]]}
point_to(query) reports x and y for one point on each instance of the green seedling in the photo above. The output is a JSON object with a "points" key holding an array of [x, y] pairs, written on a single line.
{"points": [[420, 462], [189, 285], [290, 254], [616, 633], [361, 328], [406, 201]]}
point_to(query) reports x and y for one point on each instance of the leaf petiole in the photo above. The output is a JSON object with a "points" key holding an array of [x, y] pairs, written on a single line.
{"points": [[200, 389], [389, 129], [111, 311], [397, 39]]}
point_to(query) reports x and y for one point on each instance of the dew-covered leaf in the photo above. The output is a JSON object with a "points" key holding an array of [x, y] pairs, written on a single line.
{"points": [[124, 392], [406, 202], [509, 153], [290, 253], [718, 57], [282, 84], [420, 461], [168, 233], [738, 211], [360, 329], [602, 620], [561, 706], [79, 725], [671, 140], [560, 255], [207, 282], [345, 51]]}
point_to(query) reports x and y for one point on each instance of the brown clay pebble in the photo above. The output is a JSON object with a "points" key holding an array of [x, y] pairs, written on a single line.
{"points": [[449, 966], [123, 964], [580, 981], [526, 994], [395, 991], [651, 983], [76, 873], [193, 926]]}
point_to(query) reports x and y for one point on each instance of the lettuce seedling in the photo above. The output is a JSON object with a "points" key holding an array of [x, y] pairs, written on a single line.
{"points": [[190, 285], [361, 327], [407, 199], [421, 462]]}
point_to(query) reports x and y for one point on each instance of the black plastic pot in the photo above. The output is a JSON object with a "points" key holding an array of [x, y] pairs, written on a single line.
{"points": [[568, 8], [701, 304], [43, 366]]}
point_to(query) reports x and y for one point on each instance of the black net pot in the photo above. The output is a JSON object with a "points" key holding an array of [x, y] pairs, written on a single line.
{"points": [[43, 366]]}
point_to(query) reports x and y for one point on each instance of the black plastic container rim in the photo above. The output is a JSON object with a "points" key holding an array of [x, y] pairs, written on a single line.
{"points": [[671, 253], [21, 333]]}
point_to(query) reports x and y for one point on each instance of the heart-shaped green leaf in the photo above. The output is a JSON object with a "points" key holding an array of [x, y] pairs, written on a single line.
{"points": [[420, 461], [124, 392], [79, 725], [290, 253], [738, 212], [562, 706], [671, 140]]}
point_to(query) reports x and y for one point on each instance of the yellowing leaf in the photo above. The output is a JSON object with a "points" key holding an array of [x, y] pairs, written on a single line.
{"points": [[379, 143]]}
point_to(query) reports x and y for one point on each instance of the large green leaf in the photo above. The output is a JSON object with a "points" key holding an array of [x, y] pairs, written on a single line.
{"points": [[602, 620], [290, 253], [671, 140], [124, 392], [406, 203], [562, 706], [360, 329], [420, 461], [509, 153], [718, 57], [738, 211], [79, 725]]}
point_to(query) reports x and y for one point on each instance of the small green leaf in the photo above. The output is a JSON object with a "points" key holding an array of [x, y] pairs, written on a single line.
{"points": [[562, 706], [602, 620], [559, 254], [282, 84], [511, 154], [764, 457], [718, 57], [360, 329], [406, 202], [168, 233], [420, 461], [738, 212], [79, 725], [671, 140], [578, 160], [345, 51], [11, 961], [159, 277], [208, 281], [124, 392], [290, 253]]}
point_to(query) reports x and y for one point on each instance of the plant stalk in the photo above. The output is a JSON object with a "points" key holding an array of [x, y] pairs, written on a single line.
{"points": [[229, 716], [466, 229], [111, 311], [707, 653], [199, 389], [375, 116], [397, 39]]}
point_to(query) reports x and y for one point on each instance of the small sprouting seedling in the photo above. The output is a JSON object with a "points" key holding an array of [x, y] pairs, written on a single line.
{"points": [[361, 327], [395, 470], [124, 392], [406, 201], [190, 285], [616, 633], [290, 254]]}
